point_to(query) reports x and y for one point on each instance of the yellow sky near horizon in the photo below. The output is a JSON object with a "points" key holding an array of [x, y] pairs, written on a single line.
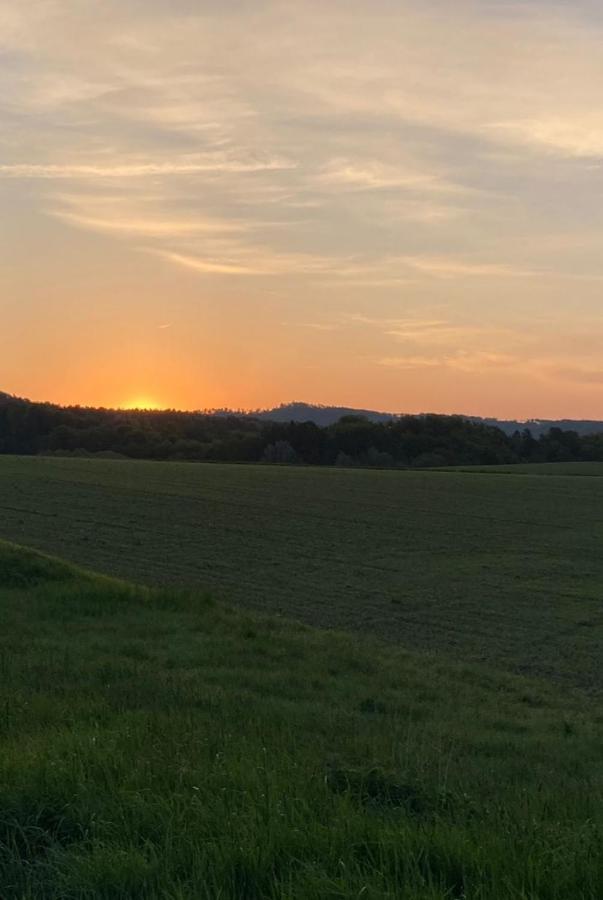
{"points": [[391, 205]]}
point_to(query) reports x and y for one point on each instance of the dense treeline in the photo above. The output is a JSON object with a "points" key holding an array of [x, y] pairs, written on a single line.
{"points": [[42, 428]]}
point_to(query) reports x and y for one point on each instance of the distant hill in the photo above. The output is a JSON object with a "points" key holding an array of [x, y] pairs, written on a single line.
{"points": [[320, 415], [328, 415]]}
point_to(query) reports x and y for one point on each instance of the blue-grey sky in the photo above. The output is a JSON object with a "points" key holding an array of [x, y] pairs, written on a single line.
{"points": [[390, 204]]}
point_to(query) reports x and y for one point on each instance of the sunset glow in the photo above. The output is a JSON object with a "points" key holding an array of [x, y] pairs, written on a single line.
{"points": [[392, 205], [144, 403]]}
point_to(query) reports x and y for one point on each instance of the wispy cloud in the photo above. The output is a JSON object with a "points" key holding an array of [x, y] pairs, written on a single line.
{"points": [[436, 166], [549, 368], [461, 361], [316, 326], [208, 266], [139, 170], [167, 228], [458, 268], [250, 261], [378, 175], [573, 136]]}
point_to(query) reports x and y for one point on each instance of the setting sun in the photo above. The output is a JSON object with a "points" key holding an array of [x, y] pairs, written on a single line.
{"points": [[437, 247], [140, 402]]}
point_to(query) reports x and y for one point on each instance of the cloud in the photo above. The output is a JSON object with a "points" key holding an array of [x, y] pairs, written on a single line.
{"points": [[209, 266], [456, 268], [521, 76], [406, 269], [317, 326], [436, 165], [139, 170], [573, 137], [461, 362], [249, 261], [512, 74], [543, 368], [437, 332], [167, 228], [378, 175]]}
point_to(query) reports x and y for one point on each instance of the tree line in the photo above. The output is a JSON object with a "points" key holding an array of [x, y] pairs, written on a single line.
{"points": [[421, 441]]}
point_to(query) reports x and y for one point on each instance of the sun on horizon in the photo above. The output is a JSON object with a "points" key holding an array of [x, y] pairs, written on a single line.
{"points": [[408, 217], [141, 402]]}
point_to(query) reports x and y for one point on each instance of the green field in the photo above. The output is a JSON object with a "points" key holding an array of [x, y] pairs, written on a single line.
{"points": [[500, 568], [566, 468], [154, 744]]}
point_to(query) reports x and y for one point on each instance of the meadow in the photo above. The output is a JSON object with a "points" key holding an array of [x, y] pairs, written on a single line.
{"points": [[542, 468], [157, 744], [498, 567]]}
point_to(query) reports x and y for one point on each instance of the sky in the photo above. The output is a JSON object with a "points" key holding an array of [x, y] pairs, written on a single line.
{"points": [[376, 203]]}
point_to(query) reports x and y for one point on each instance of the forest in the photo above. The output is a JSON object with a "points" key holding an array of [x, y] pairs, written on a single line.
{"points": [[418, 440]]}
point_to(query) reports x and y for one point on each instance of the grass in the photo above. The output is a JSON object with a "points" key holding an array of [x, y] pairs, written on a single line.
{"points": [[501, 569], [549, 468], [157, 744]]}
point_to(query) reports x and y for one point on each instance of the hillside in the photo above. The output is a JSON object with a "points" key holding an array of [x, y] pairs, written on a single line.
{"points": [[158, 745], [320, 415], [328, 415]]}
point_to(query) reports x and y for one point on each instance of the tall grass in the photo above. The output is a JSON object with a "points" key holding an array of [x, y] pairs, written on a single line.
{"points": [[159, 745]]}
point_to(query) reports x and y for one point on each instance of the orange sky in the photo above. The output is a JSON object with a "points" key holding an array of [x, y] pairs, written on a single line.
{"points": [[407, 218]]}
